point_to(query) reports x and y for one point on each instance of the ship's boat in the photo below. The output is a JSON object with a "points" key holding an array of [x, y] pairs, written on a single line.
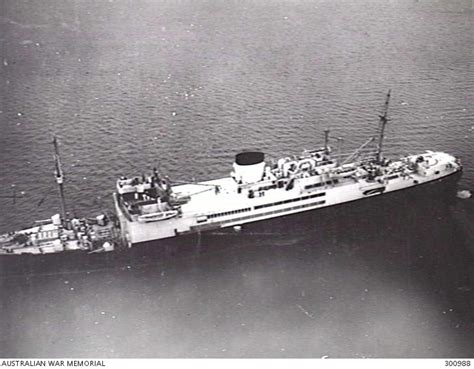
{"points": [[156, 217]]}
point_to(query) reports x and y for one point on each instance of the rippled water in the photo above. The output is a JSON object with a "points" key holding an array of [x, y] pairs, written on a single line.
{"points": [[186, 84]]}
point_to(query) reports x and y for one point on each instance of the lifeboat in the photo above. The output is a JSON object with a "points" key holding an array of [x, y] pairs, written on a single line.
{"points": [[158, 216]]}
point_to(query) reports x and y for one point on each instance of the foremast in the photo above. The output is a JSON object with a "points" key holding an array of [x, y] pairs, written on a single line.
{"points": [[59, 180], [382, 125]]}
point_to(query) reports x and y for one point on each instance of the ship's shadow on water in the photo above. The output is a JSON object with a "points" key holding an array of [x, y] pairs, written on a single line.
{"points": [[382, 277]]}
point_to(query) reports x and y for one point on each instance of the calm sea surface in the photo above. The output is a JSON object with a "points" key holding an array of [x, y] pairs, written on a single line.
{"points": [[127, 85]]}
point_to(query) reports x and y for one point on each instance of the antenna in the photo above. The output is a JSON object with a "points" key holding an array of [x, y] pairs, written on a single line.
{"points": [[383, 122], [59, 180], [356, 152]]}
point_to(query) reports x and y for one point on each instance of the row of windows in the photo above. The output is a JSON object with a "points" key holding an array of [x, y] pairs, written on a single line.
{"points": [[280, 210], [228, 213], [290, 200], [393, 177], [268, 205], [290, 208], [314, 185], [274, 212]]}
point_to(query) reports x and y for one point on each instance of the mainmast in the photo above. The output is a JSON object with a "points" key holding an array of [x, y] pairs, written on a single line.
{"points": [[326, 141], [382, 124], [59, 180]]}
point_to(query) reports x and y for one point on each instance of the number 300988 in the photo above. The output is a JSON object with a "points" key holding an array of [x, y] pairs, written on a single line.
{"points": [[457, 363]]}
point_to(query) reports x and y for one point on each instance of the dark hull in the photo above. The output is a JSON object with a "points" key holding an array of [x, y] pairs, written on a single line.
{"points": [[377, 213]]}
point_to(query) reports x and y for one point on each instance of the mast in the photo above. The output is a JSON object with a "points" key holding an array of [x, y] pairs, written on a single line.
{"points": [[326, 141], [339, 150], [59, 180], [382, 124]]}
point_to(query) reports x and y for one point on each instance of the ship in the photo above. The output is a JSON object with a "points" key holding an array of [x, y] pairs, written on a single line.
{"points": [[62, 233], [152, 208]]}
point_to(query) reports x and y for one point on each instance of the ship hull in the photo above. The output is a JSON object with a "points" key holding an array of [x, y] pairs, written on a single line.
{"points": [[242, 211], [441, 191], [339, 218]]}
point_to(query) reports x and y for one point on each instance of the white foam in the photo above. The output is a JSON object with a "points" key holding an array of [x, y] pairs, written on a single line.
{"points": [[464, 194]]}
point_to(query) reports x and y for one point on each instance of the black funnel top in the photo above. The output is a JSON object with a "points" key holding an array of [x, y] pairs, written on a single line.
{"points": [[249, 158]]}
